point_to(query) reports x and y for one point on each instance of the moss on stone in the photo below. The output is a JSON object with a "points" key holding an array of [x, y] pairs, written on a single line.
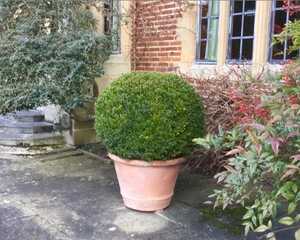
{"points": [[228, 219]]}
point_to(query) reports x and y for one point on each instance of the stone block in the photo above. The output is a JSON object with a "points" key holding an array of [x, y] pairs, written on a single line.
{"points": [[80, 136]]}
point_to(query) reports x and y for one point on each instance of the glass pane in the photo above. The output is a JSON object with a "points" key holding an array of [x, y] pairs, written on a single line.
{"points": [[107, 25], [277, 53], [291, 55], [212, 45], [249, 25], [295, 16], [249, 5], [214, 5], [238, 6], [209, 30], [236, 25], [235, 49], [116, 40], [204, 29], [202, 50], [279, 3], [204, 7], [247, 49], [280, 21]]}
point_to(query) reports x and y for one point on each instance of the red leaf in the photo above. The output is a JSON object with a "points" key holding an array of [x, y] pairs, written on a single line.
{"points": [[296, 157], [275, 143], [235, 151]]}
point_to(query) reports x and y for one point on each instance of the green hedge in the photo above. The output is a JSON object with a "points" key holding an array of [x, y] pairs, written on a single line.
{"points": [[149, 116], [50, 53]]}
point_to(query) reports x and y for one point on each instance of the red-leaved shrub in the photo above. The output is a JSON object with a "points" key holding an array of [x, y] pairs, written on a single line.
{"points": [[290, 77], [234, 97]]}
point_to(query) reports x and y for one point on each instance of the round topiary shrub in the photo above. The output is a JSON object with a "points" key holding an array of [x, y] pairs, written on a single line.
{"points": [[149, 116]]}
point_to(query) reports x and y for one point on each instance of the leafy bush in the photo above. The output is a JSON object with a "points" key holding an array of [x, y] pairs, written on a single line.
{"points": [[263, 172], [217, 104], [292, 29], [246, 94], [149, 116], [50, 53], [212, 157], [230, 98]]}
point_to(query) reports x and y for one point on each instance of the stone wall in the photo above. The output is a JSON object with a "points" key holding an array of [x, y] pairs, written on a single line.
{"points": [[82, 130]]}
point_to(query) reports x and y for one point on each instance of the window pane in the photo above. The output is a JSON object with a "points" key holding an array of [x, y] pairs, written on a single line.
{"points": [[204, 9], [277, 52], [248, 25], [279, 4], [238, 6], [280, 21], [235, 49], [242, 29], [204, 29], [247, 49], [291, 55], [112, 22], [236, 25], [249, 5], [202, 50], [295, 16], [208, 39]]}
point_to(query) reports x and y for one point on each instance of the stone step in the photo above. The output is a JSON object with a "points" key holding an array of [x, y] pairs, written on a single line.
{"points": [[34, 150], [59, 155], [29, 116], [11, 127], [39, 139]]}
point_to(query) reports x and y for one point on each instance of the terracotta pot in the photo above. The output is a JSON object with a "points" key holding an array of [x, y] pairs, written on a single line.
{"points": [[147, 186]]}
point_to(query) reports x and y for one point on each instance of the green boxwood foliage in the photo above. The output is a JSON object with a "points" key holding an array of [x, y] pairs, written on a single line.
{"points": [[149, 116]]}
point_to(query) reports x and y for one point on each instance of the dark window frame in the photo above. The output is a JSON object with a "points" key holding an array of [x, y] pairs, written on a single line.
{"points": [[241, 37], [199, 39], [112, 22], [272, 34]]}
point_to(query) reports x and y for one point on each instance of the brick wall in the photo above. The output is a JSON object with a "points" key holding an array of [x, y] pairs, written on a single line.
{"points": [[155, 43]]}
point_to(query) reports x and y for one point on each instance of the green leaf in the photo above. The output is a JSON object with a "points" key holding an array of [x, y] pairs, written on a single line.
{"points": [[261, 228], [297, 235], [270, 224], [254, 220], [292, 207], [288, 195], [286, 221], [297, 218], [248, 215], [270, 236], [295, 188]]}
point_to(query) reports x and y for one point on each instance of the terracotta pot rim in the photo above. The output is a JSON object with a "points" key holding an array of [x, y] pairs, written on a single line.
{"points": [[142, 163]]}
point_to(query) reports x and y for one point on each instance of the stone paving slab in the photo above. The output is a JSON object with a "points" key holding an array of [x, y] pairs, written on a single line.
{"points": [[77, 197]]}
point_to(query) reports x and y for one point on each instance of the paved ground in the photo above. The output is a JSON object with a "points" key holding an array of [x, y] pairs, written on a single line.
{"points": [[73, 196]]}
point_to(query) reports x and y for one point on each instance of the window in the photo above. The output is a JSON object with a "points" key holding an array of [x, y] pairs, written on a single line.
{"points": [[112, 22], [241, 36], [207, 30], [281, 14]]}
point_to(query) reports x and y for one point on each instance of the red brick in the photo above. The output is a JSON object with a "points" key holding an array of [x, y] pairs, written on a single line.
{"points": [[155, 43]]}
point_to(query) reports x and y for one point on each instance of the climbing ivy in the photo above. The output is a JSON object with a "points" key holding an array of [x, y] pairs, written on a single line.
{"points": [[50, 53]]}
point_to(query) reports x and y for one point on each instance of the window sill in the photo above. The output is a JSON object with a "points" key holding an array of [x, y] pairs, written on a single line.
{"points": [[280, 62], [236, 62], [199, 67], [205, 63]]}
